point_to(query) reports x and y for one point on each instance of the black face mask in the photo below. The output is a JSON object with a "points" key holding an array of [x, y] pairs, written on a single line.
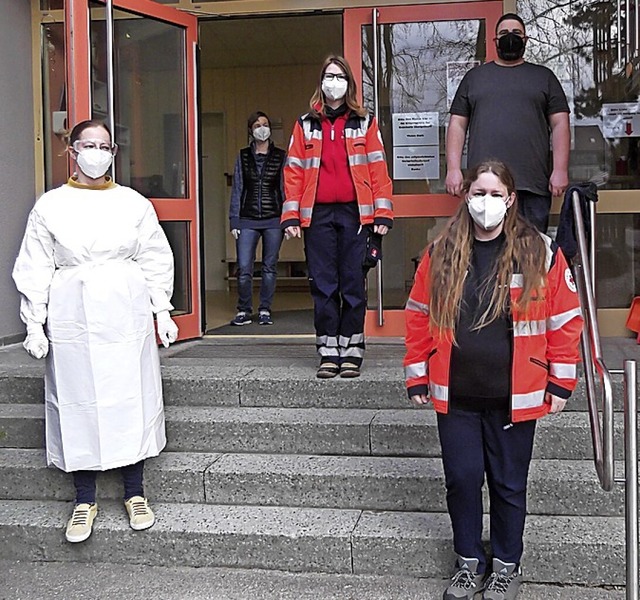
{"points": [[510, 46]]}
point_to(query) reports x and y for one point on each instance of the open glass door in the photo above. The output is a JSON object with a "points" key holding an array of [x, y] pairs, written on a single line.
{"points": [[132, 63], [408, 62]]}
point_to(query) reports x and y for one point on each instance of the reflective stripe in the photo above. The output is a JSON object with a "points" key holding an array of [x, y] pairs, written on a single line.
{"points": [[526, 328], [377, 156], [439, 392], [529, 400], [416, 306], [305, 213], [354, 351], [291, 205], [557, 321], [357, 159], [381, 203], [327, 340], [309, 132], [517, 280], [415, 370], [366, 210], [563, 370], [356, 338], [293, 161], [324, 351]]}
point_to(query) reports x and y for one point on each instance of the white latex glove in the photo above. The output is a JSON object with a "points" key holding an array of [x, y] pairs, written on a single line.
{"points": [[36, 342], [420, 399], [167, 329], [235, 233], [292, 231], [557, 403]]}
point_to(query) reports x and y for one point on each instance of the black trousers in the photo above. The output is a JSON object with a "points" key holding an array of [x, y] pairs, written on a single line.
{"points": [[85, 483], [475, 444], [535, 208]]}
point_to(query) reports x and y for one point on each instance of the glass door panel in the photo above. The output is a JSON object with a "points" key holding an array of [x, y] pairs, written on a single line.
{"points": [[155, 121], [423, 53]]}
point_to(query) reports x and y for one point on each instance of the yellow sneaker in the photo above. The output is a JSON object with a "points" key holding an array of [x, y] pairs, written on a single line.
{"points": [[140, 515], [80, 524]]}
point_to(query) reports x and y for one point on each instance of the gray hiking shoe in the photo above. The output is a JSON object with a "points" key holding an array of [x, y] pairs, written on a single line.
{"points": [[504, 582], [466, 581]]}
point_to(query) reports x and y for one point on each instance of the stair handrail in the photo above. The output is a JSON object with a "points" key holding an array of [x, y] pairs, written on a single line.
{"points": [[593, 361]]}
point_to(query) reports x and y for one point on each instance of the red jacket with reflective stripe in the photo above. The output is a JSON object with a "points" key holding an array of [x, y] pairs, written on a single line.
{"points": [[367, 164], [545, 342]]}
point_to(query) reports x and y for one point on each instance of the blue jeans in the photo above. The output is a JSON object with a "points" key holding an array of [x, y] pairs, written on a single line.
{"points": [[535, 208], [246, 245], [85, 483]]}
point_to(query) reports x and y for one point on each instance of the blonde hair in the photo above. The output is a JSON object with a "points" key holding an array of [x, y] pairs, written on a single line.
{"points": [[524, 250], [317, 102]]}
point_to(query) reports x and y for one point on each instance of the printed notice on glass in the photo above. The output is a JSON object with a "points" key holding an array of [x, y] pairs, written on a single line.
{"points": [[416, 146], [621, 120], [416, 162]]}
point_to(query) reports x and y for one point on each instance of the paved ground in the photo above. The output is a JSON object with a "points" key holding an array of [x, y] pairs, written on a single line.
{"points": [[64, 581]]}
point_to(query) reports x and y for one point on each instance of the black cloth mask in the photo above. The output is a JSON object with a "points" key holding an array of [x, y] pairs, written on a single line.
{"points": [[510, 46]]}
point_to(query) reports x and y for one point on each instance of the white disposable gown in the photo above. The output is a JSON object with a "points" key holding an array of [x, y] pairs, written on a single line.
{"points": [[94, 266]]}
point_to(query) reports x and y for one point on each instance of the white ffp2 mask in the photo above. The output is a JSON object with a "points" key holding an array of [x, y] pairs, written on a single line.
{"points": [[262, 133], [94, 162], [335, 90], [487, 211]]}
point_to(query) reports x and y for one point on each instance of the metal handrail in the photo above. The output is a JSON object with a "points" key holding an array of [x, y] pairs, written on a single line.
{"points": [[593, 360]]}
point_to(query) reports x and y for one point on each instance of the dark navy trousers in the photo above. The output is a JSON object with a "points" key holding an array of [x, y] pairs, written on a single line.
{"points": [[535, 208], [335, 245], [85, 483], [475, 444]]}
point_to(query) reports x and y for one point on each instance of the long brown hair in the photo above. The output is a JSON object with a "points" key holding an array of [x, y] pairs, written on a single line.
{"points": [[317, 102], [524, 249]]}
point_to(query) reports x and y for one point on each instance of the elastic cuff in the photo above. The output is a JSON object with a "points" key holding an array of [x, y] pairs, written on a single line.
{"points": [[290, 223], [417, 390], [383, 221], [556, 390]]}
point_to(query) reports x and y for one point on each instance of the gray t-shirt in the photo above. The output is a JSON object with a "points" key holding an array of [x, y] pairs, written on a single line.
{"points": [[508, 110]]}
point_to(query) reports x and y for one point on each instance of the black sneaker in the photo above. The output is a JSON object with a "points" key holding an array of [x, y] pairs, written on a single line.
{"points": [[264, 318], [242, 318], [466, 581], [504, 582]]}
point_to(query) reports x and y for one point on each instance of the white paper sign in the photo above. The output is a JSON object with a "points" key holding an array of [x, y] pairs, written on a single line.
{"points": [[621, 119], [415, 129], [416, 162]]}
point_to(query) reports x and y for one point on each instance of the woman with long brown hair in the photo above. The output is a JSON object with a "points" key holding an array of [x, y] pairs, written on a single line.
{"points": [[493, 325], [338, 190]]}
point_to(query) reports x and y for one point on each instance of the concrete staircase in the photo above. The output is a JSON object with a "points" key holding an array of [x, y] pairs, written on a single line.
{"points": [[268, 468]]}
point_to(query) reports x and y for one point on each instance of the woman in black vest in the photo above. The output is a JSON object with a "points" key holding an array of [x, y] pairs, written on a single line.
{"points": [[256, 206]]}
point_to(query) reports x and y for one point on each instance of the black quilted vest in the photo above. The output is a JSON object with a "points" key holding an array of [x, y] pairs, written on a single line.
{"points": [[261, 195]]}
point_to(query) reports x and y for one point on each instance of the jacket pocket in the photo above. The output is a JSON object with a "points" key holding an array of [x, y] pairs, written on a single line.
{"points": [[540, 363]]}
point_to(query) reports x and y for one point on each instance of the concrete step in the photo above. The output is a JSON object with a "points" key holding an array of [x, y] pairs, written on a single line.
{"points": [[407, 432], [35, 581], [557, 549], [345, 482], [278, 387]]}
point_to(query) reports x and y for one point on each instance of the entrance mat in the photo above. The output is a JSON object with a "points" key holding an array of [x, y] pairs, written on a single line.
{"points": [[288, 322]]}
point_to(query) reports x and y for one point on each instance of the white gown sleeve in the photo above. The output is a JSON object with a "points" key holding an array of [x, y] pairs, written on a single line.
{"points": [[155, 258], [34, 269]]}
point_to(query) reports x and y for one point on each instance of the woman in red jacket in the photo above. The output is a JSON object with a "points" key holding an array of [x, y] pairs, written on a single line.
{"points": [[493, 326], [338, 190]]}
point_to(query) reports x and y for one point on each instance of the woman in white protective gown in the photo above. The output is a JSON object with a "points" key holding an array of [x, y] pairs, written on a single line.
{"points": [[93, 269]]}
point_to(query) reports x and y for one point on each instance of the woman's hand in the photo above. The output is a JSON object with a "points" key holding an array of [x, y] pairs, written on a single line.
{"points": [[381, 229], [167, 329], [557, 404], [292, 231], [36, 343], [420, 399]]}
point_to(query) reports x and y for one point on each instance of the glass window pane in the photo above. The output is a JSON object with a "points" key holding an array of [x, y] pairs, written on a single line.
{"points": [[421, 65], [579, 41], [401, 251], [177, 233], [54, 103], [150, 101]]}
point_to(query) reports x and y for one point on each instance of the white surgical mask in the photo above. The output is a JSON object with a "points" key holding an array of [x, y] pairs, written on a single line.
{"points": [[487, 211], [262, 133], [94, 162], [334, 90]]}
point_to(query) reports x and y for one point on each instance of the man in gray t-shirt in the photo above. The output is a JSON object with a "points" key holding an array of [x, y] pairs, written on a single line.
{"points": [[510, 108]]}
